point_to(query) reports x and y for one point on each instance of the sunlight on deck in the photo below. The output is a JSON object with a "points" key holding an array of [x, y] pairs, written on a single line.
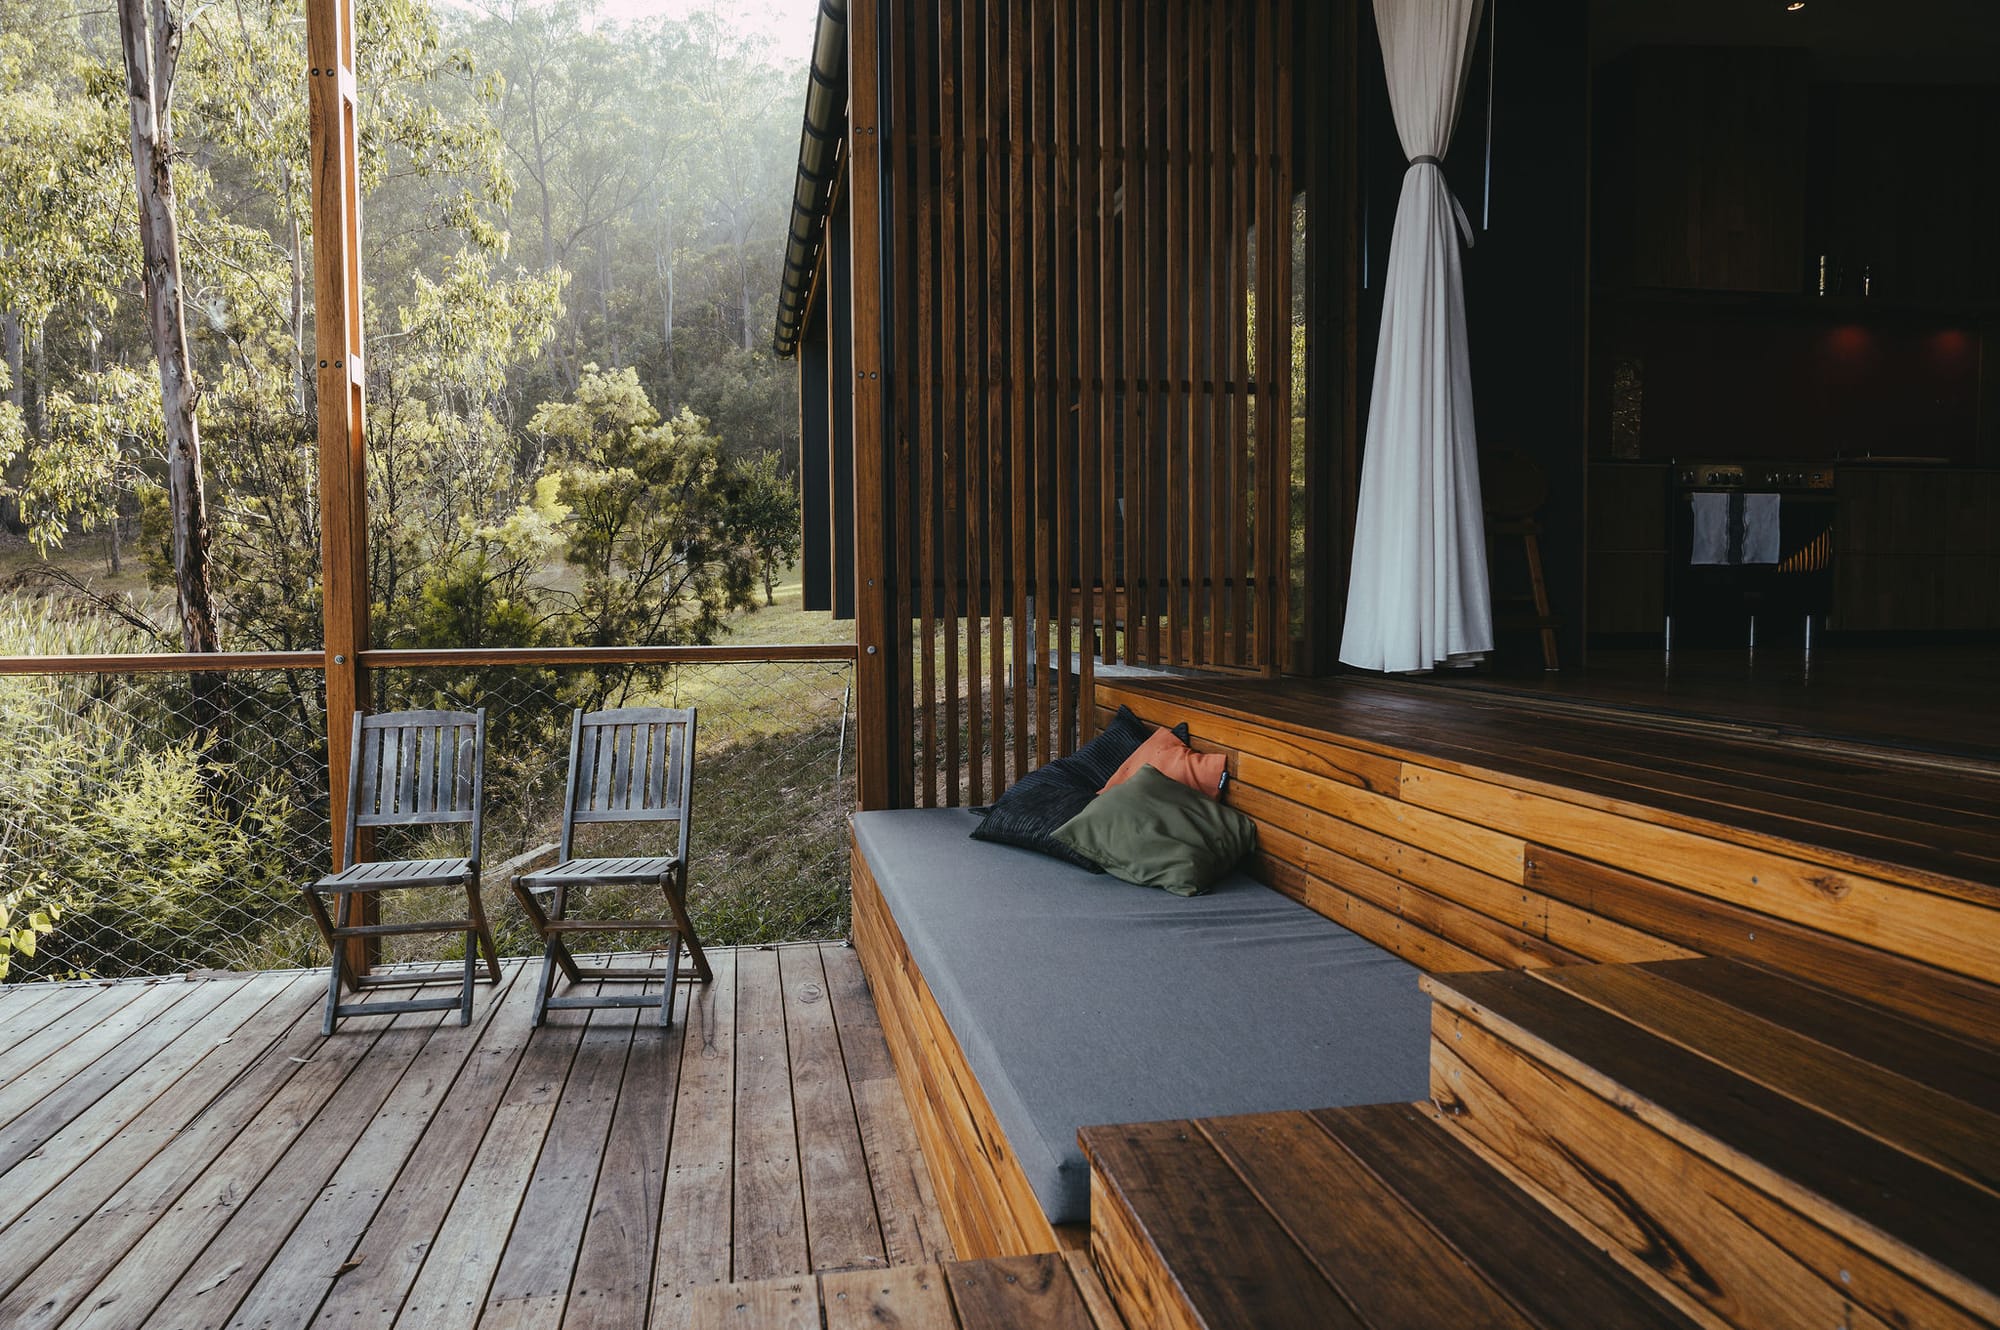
{"points": [[191, 1153]]}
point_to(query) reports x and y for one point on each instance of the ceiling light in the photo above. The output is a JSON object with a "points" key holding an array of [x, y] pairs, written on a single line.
{"points": [[1795, 6]]}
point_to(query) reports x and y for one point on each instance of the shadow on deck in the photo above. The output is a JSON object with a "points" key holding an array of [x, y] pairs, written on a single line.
{"points": [[191, 1153]]}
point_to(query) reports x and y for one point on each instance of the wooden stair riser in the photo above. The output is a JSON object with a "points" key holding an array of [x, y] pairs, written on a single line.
{"points": [[1723, 1249]]}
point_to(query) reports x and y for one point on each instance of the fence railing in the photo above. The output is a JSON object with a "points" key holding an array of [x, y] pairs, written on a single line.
{"points": [[169, 807]]}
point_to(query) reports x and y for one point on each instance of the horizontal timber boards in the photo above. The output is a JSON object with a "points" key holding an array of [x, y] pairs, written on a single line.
{"points": [[1358, 802], [1770, 1155], [1370, 1217], [1878, 812], [988, 1205]]}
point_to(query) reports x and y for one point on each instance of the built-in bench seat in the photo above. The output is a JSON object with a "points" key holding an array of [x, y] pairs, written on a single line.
{"points": [[1025, 999]]}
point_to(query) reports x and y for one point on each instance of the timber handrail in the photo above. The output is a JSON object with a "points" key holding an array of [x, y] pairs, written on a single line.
{"points": [[730, 653], [200, 662], [164, 662]]}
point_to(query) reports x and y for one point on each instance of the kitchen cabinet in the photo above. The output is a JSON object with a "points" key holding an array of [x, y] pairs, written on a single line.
{"points": [[1628, 548], [1917, 551], [1901, 185], [1701, 168]]}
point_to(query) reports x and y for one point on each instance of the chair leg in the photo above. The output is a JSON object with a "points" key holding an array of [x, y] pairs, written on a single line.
{"points": [[476, 912], [675, 888], [333, 978], [668, 984], [465, 991], [547, 983]]}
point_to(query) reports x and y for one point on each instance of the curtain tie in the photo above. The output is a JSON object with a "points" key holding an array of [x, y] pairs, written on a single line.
{"points": [[1464, 222]]}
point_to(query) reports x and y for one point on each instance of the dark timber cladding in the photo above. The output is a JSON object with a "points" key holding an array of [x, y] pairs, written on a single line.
{"points": [[1085, 421]]}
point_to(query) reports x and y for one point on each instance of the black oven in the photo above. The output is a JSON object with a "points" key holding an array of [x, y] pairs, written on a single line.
{"points": [[1729, 583]]}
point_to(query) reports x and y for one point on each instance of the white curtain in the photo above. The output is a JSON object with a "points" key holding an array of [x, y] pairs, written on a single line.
{"points": [[1417, 593]]}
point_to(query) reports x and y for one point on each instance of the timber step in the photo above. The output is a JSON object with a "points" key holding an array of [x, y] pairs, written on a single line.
{"points": [[1764, 1153], [1053, 1291], [1371, 1217]]}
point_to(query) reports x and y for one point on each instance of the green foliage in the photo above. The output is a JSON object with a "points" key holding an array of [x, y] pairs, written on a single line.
{"points": [[767, 507], [651, 527], [25, 917], [115, 847]]}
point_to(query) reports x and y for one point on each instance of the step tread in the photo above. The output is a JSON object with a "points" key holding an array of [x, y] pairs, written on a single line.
{"points": [[1373, 1217], [1802, 1152], [1052, 1291]]}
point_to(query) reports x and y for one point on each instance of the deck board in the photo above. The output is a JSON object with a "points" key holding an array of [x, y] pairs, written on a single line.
{"points": [[238, 1170]]}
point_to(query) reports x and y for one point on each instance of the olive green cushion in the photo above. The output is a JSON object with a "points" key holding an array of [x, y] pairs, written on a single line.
{"points": [[1156, 832]]}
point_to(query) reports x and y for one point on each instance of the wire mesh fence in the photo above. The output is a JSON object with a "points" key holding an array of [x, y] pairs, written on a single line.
{"points": [[166, 822]]}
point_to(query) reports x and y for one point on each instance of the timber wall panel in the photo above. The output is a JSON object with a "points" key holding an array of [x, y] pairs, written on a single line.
{"points": [[1460, 869], [1083, 201]]}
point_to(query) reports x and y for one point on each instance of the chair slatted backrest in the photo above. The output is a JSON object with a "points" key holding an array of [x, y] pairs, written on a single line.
{"points": [[633, 764], [417, 768]]}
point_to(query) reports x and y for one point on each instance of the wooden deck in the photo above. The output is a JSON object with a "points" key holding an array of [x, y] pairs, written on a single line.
{"points": [[190, 1153]]}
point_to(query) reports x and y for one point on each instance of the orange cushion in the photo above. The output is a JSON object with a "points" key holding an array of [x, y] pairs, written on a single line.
{"points": [[1202, 772]]}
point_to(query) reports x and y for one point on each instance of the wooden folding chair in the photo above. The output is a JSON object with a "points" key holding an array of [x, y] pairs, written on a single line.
{"points": [[407, 768], [635, 764]]}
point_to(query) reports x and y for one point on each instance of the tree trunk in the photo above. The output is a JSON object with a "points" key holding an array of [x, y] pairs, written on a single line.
{"points": [[150, 57], [115, 555], [302, 380], [10, 347]]}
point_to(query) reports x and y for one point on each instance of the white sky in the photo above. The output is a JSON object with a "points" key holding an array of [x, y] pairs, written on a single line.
{"points": [[788, 23]]}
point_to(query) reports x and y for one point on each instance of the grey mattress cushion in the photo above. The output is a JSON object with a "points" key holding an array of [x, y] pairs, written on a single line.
{"points": [[1080, 1000]]}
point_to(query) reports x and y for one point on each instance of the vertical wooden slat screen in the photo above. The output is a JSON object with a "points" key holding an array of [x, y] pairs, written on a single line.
{"points": [[1089, 277]]}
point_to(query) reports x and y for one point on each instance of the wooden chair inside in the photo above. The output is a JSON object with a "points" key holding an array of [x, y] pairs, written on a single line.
{"points": [[407, 769], [630, 765]]}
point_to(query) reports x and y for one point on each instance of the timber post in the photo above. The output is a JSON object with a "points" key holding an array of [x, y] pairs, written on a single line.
{"points": [[339, 376], [874, 722]]}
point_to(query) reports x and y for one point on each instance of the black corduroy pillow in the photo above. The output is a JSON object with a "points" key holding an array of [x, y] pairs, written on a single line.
{"points": [[1033, 807]]}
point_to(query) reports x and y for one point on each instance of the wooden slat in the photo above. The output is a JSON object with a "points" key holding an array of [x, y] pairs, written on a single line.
{"points": [[998, 520], [1237, 561], [231, 1198], [770, 1236], [1381, 1255], [398, 1234], [247, 1172], [79, 1246], [1963, 1006], [1182, 1247], [1725, 1251], [875, 777], [531, 1285], [695, 1203], [1020, 258], [1134, 331], [909, 504], [68, 1048], [114, 1081], [840, 1210], [1938, 930], [1903, 1047], [910, 1295], [59, 1157], [953, 417], [1016, 1293], [231, 1287], [1062, 335], [975, 379], [906, 1207], [921, 403], [1898, 1110], [1909, 1215], [1277, 542], [757, 1304], [459, 1265], [1098, 57], [1174, 276], [1533, 1258]]}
